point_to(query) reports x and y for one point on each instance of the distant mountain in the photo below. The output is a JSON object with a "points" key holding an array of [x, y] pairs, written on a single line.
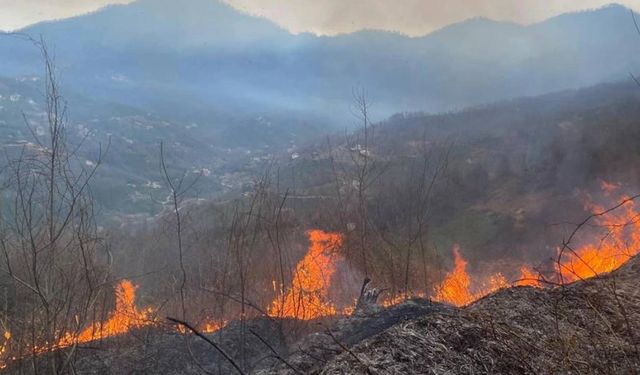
{"points": [[227, 91], [202, 57]]}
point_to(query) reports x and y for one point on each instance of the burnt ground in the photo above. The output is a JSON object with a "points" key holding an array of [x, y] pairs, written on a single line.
{"points": [[157, 351], [257, 346], [588, 327], [313, 352]]}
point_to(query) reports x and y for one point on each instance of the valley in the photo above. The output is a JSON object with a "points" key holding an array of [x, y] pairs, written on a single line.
{"points": [[192, 188]]}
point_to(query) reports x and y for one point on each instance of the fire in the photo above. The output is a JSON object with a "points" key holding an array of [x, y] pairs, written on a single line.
{"points": [[213, 326], [125, 317], [457, 286], [395, 299], [528, 278], [401, 297], [454, 289], [621, 242], [3, 348], [308, 296], [497, 281]]}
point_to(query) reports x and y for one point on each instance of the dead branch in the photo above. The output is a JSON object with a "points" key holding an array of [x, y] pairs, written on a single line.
{"points": [[209, 341], [275, 352]]}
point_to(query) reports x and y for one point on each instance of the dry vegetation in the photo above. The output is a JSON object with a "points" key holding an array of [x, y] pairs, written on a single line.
{"points": [[238, 275], [587, 327]]}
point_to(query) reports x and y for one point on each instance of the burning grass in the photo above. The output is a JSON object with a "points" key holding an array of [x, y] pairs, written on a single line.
{"points": [[307, 298], [454, 289], [619, 242], [587, 324], [125, 318], [459, 289], [586, 327]]}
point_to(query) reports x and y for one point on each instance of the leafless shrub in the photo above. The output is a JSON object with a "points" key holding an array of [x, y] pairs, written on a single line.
{"points": [[49, 239]]}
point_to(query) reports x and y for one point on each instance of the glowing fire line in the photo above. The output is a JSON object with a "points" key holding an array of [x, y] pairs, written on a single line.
{"points": [[124, 318], [621, 242], [307, 298]]}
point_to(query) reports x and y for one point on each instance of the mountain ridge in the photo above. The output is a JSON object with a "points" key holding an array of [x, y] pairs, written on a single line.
{"points": [[244, 12], [144, 55]]}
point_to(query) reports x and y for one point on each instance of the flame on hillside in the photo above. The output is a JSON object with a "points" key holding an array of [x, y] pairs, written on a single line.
{"points": [[124, 318], [455, 288], [620, 242], [528, 278], [612, 250], [307, 298], [212, 326]]}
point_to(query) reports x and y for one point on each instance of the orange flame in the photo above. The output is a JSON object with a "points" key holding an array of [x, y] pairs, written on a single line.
{"points": [[528, 278], [621, 242], [308, 296], [213, 326], [125, 317], [496, 281], [402, 297], [454, 289]]}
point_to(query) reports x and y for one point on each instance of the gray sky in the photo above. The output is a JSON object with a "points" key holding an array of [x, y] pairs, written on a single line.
{"points": [[413, 17]]}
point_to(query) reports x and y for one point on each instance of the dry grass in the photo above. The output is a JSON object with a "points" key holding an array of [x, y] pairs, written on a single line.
{"points": [[584, 328]]}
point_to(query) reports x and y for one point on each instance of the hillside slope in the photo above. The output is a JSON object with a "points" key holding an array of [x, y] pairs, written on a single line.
{"points": [[587, 327], [129, 181], [513, 171]]}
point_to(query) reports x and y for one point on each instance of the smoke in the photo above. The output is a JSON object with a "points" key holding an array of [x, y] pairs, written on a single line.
{"points": [[329, 17], [411, 17]]}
